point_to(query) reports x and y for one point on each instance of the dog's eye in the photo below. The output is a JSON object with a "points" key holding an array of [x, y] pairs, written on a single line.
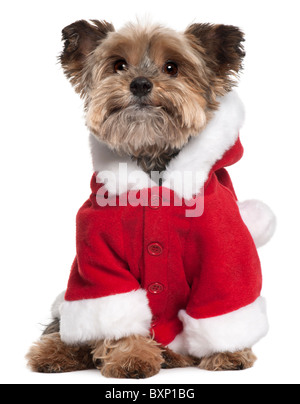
{"points": [[120, 65], [171, 68]]}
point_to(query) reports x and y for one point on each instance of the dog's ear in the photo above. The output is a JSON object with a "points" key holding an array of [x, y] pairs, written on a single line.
{"points": [[220, 45], [80, 39]]}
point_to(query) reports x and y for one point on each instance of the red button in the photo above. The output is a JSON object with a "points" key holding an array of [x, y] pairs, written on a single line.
{"points": [[155, 202], [155, 249], [156, 288]]}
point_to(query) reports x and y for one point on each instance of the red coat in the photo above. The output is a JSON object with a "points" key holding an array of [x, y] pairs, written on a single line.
{"points": [[204, 267]]}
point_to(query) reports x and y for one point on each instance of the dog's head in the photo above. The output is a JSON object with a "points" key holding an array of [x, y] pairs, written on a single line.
{"points": [[147, 90]]}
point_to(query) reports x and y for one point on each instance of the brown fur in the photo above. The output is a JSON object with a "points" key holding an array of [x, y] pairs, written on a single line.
{"points": [[51, 355], [221, 46], [152, 129], [53, 327], [154, 161], [132, 357], [173, 360], [80, 40], [229, 361]]}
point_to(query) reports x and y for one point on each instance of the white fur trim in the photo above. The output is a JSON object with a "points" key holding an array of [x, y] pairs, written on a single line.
{"points": [[186, 173], [111, 317], [259, 219], [108, 165], [228, 333], [203, 151], [178, 345]]}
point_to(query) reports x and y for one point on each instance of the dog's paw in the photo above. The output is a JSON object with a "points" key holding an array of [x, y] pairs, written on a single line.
{"points": [[229, 361], [132, 368], [51, 355], [133, 357], [174, 360]]}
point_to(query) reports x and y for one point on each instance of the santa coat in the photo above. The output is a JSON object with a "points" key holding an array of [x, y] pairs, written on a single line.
{"points": [[174, 260]]}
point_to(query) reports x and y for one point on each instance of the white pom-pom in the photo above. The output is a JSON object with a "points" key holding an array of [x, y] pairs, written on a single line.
{"points": [[55, 309], [259, 219]]}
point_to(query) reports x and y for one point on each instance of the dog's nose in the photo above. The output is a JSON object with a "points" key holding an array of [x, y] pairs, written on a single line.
{"points": [[141, 86]]}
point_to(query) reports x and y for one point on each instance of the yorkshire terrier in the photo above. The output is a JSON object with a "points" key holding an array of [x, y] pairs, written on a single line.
{"points": [[154, 287]]}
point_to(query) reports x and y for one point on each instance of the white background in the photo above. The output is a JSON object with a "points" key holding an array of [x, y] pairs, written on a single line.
{"points": [[46, 169]]}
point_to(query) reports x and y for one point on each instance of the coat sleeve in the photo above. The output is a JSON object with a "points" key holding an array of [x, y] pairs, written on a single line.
{"points": [[225, 311], [103, 299]]}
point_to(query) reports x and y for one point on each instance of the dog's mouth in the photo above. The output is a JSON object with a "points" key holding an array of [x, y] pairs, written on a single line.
{"points": [[134, 108], [142, 106]]}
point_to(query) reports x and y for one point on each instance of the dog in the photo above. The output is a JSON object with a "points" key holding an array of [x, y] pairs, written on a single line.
{"points": [[159, 282]]}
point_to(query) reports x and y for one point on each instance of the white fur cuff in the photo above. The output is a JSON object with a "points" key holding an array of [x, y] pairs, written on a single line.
{"points": [[111, 317], [228, 333], [259, 219]]}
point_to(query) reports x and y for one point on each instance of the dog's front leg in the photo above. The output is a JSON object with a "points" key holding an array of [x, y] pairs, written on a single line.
{"points": [[133, 357]]}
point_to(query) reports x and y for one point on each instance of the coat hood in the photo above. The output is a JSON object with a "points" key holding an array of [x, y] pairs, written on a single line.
{"points": [[215, 147]]}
